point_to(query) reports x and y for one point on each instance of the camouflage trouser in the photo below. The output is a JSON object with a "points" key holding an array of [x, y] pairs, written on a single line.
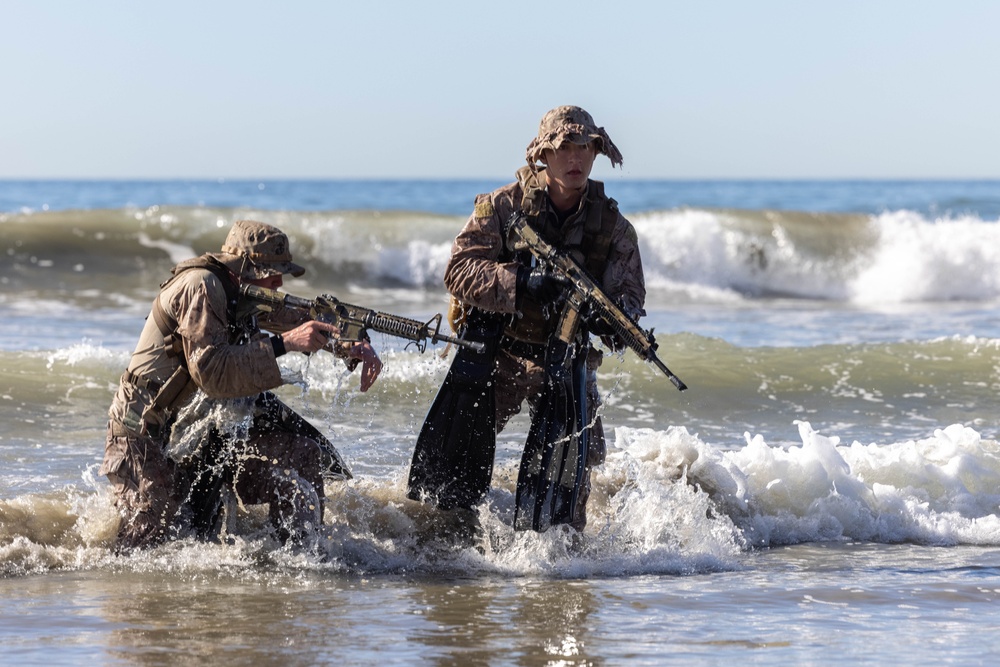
{"points": [[274, 466], [142, 477], [520, 379]]}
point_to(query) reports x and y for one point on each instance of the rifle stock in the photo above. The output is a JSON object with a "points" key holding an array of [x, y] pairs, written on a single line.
{"points": [[355, 321], [586, 291]]}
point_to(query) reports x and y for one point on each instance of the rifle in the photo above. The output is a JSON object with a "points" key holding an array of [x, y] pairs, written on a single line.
{"points": [[354, 321], [587, 300]]}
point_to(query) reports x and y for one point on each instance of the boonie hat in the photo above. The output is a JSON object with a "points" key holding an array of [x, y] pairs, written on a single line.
{"points": [[570, 123], [258, 250]]}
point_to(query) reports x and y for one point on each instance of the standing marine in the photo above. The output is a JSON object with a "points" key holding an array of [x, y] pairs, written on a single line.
{"points": [[199, 343], [508, 300]]}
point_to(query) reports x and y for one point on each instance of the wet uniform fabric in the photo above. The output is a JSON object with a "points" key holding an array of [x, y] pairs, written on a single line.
{"points": [[482, 272], [225, 359]]}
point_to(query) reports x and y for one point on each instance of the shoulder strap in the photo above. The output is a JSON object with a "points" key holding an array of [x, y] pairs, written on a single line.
{"points": [[598, 231], [166, 323], [599, 226], [533, 191], [209, 263], [180, 385]]}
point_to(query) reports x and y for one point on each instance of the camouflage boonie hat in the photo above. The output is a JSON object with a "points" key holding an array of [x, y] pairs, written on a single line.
{"points": [[569, 123], [258, 250]]}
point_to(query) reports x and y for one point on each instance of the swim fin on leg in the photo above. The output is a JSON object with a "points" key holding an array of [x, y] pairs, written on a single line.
{"points": [[453, 459], [555, 452]]}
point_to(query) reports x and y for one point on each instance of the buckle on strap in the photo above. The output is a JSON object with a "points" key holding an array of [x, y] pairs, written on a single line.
{"points": [[128, 377], [132, 425], [520, 348]]}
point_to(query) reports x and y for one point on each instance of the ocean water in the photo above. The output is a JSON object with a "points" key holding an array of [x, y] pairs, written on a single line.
{"points": [[826, 492]]}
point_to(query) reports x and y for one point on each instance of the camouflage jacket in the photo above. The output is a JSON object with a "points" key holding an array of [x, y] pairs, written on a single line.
{"points": [[218, 366], [478, 275]]}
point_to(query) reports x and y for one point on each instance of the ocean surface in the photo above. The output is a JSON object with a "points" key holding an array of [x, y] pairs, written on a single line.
{"points": [[827, 491]]}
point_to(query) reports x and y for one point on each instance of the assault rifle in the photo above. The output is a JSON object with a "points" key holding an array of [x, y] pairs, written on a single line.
{"points": [[355, 321], [586, 300]]}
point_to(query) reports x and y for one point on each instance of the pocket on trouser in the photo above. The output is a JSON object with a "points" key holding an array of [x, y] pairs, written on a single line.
{"points": [[113, 466]]}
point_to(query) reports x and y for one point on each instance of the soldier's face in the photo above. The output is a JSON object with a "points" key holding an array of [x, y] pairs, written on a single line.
{"points": [[570, 165], [271, 282]]}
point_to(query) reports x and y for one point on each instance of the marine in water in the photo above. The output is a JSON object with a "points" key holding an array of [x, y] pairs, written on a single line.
{"points": [[504, 297], [198, 344]]}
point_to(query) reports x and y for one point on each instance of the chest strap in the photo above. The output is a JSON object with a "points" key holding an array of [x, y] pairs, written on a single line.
{"points": [[597, 232], [594, 248]]}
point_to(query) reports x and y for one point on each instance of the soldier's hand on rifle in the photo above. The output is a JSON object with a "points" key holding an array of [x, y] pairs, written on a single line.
{"points": [[544, 285], [606, 332], [309, 336], [371, 365]]}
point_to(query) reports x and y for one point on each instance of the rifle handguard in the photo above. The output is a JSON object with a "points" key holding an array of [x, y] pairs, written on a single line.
{"points": [[354, 321]]}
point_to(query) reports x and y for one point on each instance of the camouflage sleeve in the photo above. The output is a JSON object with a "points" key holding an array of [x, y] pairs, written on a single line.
{"points": [[219, 369], [474, 273], [623, 278]]}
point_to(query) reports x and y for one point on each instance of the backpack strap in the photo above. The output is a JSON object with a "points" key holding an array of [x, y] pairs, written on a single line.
{"points": [[166, 322], [598, 231], [179, 386]]}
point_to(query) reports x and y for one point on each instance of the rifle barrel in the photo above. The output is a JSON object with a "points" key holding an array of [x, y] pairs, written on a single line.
{"points": [[471, 344], [677, 382], [394, 325]]}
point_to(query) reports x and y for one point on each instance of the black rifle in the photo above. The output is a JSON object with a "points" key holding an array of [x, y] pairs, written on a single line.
{"points": [[587, 301], [354, 321]]}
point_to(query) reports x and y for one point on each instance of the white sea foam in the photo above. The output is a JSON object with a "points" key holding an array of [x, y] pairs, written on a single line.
{"points": [[410, 249], [178, 252], [893, 257], [939, 490], [87, 353], [664, 502], [419, 263], [920, 260]]}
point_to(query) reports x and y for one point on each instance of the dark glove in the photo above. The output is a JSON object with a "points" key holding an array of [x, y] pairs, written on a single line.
{"points": [[606, 333], [600, 327], [543, 285]]}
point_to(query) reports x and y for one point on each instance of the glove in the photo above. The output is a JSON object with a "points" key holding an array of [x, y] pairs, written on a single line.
{"points": [[606, 332], [543, 285]]}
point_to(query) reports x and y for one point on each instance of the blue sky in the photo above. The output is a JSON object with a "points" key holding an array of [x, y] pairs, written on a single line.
{"points": [[724, 89]]}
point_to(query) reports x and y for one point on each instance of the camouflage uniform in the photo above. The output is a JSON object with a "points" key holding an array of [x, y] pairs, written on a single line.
{"points": [[281, 463], [483, 272]]}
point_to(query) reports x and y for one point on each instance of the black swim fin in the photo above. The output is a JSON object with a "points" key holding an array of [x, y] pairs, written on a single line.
{"points": [[212, 476], [453, 459], [273, 415], [555, 454], [217, 467]]}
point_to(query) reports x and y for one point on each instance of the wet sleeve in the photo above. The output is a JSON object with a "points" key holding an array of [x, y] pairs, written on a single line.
{"points": [[219, 369], [474, 273], [623, 279], [283, 319]]}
